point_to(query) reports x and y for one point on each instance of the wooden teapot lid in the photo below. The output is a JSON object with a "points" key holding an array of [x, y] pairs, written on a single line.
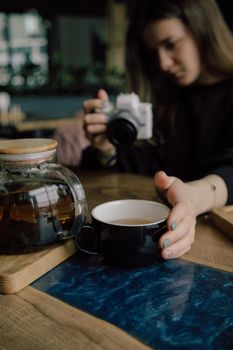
{"points": [[24, 146]]}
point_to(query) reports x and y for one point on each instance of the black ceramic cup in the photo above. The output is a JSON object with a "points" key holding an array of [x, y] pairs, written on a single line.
{"points": [[126, 232]]}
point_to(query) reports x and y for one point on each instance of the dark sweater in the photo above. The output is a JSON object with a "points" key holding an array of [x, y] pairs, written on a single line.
{"points": [[202, 144]]}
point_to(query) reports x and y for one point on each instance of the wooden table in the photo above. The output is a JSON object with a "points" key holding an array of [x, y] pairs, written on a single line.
{"points": [[102, 187], [31, 319], [41, 124], [36, 128]]}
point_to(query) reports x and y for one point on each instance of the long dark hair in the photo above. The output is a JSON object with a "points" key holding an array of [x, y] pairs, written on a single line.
{"points": [[204, 20]]}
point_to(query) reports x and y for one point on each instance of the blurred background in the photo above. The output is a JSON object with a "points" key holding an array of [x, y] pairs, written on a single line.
{"points": [[54, 54]]}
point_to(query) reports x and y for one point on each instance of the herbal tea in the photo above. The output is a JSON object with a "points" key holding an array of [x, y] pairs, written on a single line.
{"points": [[32, 213], [132, 221]]}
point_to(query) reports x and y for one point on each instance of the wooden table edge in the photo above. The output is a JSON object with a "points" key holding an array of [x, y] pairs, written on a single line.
{"points": [[100, 333], [205, 263]]}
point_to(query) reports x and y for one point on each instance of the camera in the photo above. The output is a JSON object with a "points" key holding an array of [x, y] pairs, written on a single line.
{"points": [[128, 120]]}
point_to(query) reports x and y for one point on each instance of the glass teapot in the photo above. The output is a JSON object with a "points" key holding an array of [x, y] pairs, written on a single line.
{"points": [[41, 202]]}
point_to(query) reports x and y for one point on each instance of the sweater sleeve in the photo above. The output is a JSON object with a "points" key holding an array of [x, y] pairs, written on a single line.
{"points": [[141, 158]]}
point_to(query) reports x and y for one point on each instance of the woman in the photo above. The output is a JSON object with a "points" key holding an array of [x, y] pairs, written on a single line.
{"points": [[180, 57]]}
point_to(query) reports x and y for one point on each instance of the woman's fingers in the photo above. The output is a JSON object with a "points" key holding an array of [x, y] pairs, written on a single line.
{"points": [[170, 254], [181, 232], [95, 118], [173, 243], [162, 181], [177, 214], [102, 94], [92, 104], [94, 124], [95, 129], [181, 221], [177, 232]]}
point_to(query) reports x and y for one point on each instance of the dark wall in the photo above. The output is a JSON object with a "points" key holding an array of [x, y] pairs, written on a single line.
{"points": [[49, 9], [227, 10]]}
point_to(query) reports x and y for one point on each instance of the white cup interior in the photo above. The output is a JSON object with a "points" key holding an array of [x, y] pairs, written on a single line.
{"points": [[130, 208]]}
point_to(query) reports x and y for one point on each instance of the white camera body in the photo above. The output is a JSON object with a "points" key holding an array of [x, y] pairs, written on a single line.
{"points": [[129, 119], [141, 110]]}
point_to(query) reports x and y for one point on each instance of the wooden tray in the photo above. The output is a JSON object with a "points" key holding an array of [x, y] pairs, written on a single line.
{"points": [[18, 271], [223, 219]]}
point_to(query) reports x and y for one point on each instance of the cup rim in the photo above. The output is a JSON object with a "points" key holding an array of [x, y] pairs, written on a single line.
{"points": [[115, 202]]}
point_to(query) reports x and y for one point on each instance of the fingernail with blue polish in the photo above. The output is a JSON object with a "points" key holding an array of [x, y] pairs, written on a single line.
{"points": [[166, 243], [173, 225], [169, 254]]}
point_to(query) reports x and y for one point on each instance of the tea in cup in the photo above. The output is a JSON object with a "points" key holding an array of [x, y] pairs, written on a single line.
{"points": [[126, 232]]}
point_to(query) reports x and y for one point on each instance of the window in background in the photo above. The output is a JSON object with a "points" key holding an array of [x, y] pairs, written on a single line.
{"points": [[23, 51]]}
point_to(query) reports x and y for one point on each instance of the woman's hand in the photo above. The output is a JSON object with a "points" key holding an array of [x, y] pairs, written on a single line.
{"points": [[95, 123], [188, 200], [182, 217]]}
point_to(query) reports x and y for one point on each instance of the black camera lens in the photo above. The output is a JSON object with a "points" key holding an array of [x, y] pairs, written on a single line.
{"points": [[122, 129]]}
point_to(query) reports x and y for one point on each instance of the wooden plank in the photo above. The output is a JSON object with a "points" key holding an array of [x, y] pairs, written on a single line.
{"points": [[223, 219], [35, 320], [19, 270], [212, 247]]}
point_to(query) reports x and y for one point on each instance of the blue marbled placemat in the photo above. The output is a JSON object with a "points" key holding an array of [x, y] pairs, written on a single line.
{"points": [[171, 305]]}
